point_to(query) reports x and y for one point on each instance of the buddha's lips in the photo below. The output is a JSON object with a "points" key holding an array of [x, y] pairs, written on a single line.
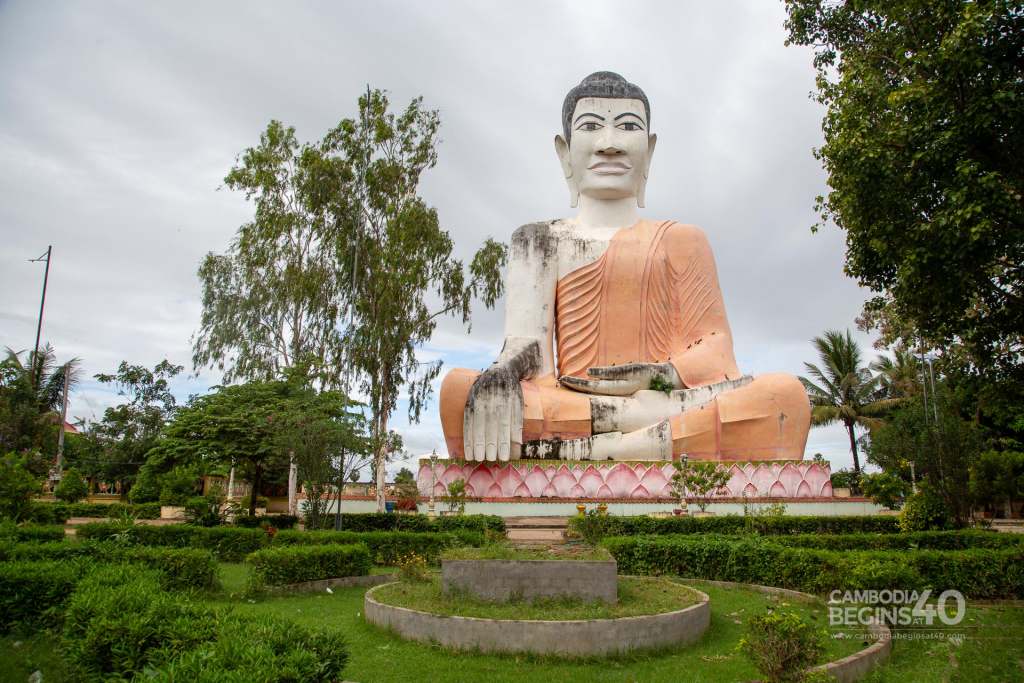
{"points": [[610, 167]]}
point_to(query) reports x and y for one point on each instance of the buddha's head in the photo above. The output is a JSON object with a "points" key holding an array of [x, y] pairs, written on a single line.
{"points": [[606, 145]]}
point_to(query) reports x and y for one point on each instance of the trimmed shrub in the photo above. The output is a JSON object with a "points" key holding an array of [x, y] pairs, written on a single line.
{"points": [[385, 521], [386, 547], [298, 563], [230, 544], [119, 622], [181, 568], [34, 593], [782, 645], [259, 650], [595, 527], [977, 572], [30, 533]]}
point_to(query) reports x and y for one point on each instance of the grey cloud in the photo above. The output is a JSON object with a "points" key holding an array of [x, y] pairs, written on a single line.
{"points": [[118, 121]]}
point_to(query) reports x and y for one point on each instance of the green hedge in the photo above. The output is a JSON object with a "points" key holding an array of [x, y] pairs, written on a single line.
{"points": [[59, 513], [386, 547], [34, 593], [919, 540], [386, 521], [280, 522], [298, 563], [47, 513], [230, 544], [11, 532], [119, 624], [181, 568], [594, 527], [977, 573]]}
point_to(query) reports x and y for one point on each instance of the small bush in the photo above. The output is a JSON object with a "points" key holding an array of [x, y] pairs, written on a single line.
{"points": [[386, 547], [296, 564], [782, 645], [413, 568], [34, 593], [72, 487], [924, 511]]}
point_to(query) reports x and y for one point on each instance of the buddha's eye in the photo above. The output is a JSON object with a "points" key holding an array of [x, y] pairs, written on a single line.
{"points": [[630, 125], [589, 125]]}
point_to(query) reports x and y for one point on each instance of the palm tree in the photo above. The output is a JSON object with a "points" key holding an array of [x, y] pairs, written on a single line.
{"points": [[845, 390], [898, 377], [32, 392]]}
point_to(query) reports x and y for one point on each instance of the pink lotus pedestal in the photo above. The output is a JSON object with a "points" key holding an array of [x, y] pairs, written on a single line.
{"points": [[618, 480]]}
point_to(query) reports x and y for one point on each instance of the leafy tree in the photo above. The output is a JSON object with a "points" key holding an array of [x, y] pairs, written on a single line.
{"points": [[699, 479], [845, 390], [998, 478], [72, 487], [325, 436], [404, 475], [31, 394], [923, 142], [456, 497], [885, 489], [942, 445], [273, 299], [394, 259], [233, 425], [129, 431], [17, 486]]}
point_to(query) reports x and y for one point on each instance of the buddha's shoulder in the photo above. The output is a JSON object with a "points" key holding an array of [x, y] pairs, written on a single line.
{"points": [[538, 231], [684, 235]]}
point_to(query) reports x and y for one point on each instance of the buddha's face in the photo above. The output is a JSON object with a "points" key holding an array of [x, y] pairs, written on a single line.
{"points": [[609, 152]]}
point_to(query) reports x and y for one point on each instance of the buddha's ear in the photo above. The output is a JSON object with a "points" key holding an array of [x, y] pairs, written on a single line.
{"points": [[652, 141], [562, 150], [641, 190]]}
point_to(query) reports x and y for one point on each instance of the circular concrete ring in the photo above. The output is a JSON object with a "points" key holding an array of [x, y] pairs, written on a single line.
{"points": [[580, 638]]}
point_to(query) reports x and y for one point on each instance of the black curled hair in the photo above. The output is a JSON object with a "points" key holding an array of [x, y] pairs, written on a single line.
{"points": [[606, 84]]}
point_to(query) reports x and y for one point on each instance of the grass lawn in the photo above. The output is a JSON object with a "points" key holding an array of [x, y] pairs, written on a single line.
{"points": [[380, 656], [637, 596], [992, 650]]}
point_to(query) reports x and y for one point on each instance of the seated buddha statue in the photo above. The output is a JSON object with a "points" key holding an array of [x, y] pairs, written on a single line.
{"points": [[617, 345]]}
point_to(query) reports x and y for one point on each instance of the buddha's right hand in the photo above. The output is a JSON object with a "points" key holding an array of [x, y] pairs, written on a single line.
{"points": [[493, 418]]}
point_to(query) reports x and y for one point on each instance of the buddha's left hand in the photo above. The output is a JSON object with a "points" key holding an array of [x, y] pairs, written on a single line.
{"points": [[622, 380]]}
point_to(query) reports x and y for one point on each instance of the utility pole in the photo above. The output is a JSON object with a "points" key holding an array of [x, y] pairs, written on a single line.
{"points": [[42, 304]]}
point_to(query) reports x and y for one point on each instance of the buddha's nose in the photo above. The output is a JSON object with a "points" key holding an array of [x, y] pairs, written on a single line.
{"points": [[608, 149]]}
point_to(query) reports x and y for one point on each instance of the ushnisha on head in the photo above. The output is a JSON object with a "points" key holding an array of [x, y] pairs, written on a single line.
{"points": [[606, 146]]}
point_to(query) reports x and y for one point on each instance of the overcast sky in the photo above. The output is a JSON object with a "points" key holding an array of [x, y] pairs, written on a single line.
{"points": [[119, 120]]}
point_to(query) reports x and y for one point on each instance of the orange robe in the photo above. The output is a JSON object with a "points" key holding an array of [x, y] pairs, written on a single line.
{"points": [[652, 297]]}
